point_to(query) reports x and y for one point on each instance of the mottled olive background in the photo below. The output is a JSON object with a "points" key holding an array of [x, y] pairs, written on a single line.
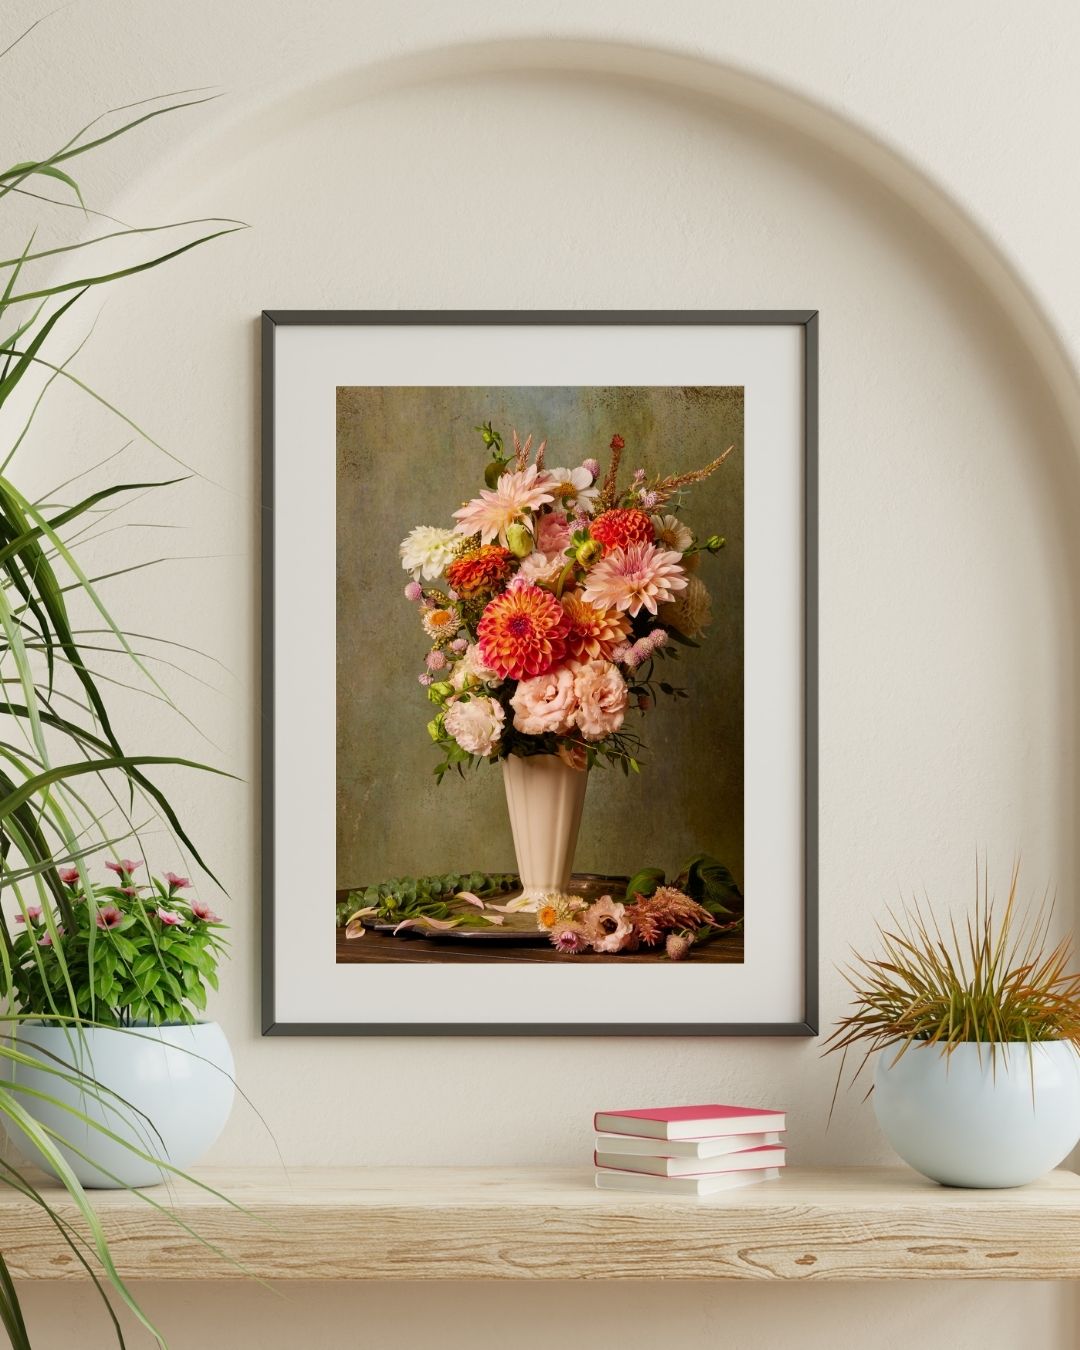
{"points": [[410, 456]]}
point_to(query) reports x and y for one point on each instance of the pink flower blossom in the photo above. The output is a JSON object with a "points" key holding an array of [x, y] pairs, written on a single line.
{"points": [[33, 913], [435, 660], [545, 703], [45, 940], [553, 533], [169, 917], [602, 698], [202, 910], [176, 883], [607, 926], [108, 916], [124, 866], [130, 891], [593, 466], [459, 644], [69, 876], [639, 576], [425, 679], [414, 591], [492, 513], [476, 725]]}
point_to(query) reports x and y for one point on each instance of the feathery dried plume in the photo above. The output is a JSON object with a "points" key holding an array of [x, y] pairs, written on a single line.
{"points": [[665, 488], [611, 478], [654, 915]]}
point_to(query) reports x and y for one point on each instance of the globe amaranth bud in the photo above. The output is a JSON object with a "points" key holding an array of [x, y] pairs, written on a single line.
{"points": [[519, 541], [588, 552]]}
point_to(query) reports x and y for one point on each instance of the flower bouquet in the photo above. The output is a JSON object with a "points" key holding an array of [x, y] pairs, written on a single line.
{"points": [[548, 607]]}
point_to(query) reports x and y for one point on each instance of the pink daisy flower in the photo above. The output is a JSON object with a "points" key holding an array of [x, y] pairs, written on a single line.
{"points": [[169, 917], [108, 916], [492, 513], [639, 576]]}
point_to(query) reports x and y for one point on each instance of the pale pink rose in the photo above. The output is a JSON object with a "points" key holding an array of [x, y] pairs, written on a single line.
{"points": [[553, 533], [476, 724], [542, 569], [545, 703], [602, 698]]}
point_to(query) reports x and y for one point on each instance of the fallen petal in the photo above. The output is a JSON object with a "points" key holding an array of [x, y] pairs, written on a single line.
{"points": [[354, 929], [471, 898]]}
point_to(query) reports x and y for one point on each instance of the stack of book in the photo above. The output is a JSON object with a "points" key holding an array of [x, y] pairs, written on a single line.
{"points": [[687, 1150]]}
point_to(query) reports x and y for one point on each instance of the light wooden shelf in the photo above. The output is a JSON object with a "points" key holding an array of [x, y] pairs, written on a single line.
{"points": [[487, 1223]]}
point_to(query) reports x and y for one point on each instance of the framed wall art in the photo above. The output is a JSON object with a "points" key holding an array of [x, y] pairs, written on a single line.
{"points": [[539, 673]]}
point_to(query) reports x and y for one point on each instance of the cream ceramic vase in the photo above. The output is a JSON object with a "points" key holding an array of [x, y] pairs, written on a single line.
{"points": [[544, 796]]}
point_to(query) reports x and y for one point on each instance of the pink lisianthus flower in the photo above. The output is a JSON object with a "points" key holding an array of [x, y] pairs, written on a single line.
{"points": [[553, 533], [33, 913], [202, 910], [123, 867], [169, 917], [476, 725], [602, 697], [69, 876], [545, 703], [176, 883], [108, 916]]}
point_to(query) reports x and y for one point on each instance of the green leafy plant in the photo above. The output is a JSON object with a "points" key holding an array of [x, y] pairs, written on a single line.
{"points": [[996, 978], [136, 956], [431, 897], [69, 786]]}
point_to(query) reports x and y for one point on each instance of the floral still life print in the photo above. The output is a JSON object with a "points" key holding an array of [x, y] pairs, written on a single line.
{"points": [[540, 675]]}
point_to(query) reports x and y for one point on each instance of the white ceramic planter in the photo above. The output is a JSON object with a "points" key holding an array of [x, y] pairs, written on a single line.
{"points": [[173, 1091], [964, 1121], [545, 797]]}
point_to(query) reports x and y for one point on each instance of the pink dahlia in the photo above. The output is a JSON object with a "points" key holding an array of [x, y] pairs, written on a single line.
{"points": [[522, 632], [618, 528], [637, 577], [492, 513]]}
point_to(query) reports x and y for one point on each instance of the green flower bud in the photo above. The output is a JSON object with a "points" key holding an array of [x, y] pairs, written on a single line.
{"points": [[589, 552], [440, 691], [435, 728], [519, 541], [715, 543]]}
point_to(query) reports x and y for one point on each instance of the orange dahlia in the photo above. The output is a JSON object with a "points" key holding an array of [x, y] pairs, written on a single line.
{"points": [[594, 633], [618, 528], [523, 632], [480, 569]]}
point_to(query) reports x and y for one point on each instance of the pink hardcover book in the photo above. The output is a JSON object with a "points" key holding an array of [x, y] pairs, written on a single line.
{"points": [[689, 1122]]}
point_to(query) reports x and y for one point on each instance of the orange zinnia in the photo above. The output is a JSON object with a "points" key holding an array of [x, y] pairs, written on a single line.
{"points": [[481, 569]]}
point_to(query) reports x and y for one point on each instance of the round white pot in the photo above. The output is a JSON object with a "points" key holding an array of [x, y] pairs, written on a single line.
{"points": [[967, 1120], [168, 1090], [545, 797]]}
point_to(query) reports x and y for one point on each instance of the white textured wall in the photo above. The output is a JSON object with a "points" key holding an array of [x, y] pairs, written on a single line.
{"points": [[554, 157]]}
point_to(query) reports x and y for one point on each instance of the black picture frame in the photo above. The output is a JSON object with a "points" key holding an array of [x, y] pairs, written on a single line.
{"points": [[807, 320]]}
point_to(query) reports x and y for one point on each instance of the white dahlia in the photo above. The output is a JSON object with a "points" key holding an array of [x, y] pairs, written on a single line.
{"points": [[492, 513], [428, 550]]}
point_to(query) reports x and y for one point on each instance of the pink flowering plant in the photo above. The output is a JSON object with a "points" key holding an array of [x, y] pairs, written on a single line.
{"points": [[138, 954], [550, 603]]}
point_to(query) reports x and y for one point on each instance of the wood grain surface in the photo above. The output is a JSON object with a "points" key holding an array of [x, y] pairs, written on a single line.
{"points": [[383, 947], [471, 1223]]}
